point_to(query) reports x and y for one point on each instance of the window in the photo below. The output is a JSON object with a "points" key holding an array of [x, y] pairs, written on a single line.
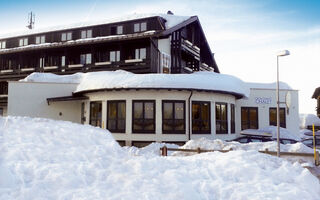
{"points": [[139, 27], [114, 56], [233, 124], [63, 60], [221, 118], [23, 42], [140, 53], [95, 113], [173, 117], [201, 118], [116, 116], [2, 44], [116, 30], [143, 120], [86, 34], [66, 36], [85, 59], [249, 118], [273, 117], [40, 39]]}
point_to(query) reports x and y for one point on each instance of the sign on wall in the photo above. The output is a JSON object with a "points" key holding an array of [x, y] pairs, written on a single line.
{"points": [[263, 100]]}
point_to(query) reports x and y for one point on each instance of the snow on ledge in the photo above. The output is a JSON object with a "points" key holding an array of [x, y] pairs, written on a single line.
{"points": [[122, 79], [271, 86]]}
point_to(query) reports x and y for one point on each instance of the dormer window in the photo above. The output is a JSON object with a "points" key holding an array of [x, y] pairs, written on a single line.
{"points": [[2, 44], [140, 27], [86, 34], [66, 36], [40, 39], [23, 42], [116, 30]]}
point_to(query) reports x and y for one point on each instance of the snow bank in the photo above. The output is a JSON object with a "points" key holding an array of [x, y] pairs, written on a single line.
{"points": [[308, 120], [124, 79], [284, 133], [46, 159], [172, 20]]}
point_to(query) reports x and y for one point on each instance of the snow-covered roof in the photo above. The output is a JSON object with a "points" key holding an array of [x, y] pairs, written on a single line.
{"points": [[171, 20], [282, 85], [126, 80], [308, 119]]}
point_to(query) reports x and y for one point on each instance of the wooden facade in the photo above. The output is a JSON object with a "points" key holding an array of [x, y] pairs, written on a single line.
{"points": [[128, 45], [316, 95]]}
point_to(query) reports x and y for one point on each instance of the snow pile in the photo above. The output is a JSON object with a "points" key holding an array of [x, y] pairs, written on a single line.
{"points": [[151, 150], [284, 133], [46, 159], [308, 119], [172, 20], [272, 86], [123, 79]]}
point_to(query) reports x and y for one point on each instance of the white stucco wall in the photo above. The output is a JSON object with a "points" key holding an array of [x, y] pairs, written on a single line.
{"points": [[30, 99], [164, 45], [292, 119]]}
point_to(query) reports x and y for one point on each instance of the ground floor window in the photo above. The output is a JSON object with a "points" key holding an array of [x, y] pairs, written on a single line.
{"points": [[173, 116], [116, 116], [273, 117], [221, 118], [141, 144], [143, 116], [1, 111], [201, 117], [233, 116], [249, 118], [95, 113]]}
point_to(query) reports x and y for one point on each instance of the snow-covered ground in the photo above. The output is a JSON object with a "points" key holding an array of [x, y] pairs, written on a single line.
{"points": [[46, 159]]}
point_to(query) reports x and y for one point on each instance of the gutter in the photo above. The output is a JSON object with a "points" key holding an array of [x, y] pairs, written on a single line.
{"points": [[189, 117]]}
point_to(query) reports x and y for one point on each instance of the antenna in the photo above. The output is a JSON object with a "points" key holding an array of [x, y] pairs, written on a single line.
{"points": [[31, 20]]}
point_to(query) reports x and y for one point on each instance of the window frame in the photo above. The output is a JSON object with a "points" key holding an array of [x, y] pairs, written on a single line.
{"points": [[40, 39], [23, 41], [232, 119], [222, 120], [86, 34], [117, 55], [209, 120], [67, 34], [173, 117], [117, 117], [248, 116], [86, 58], [90, 117], [285, 118], [139, 25], [143, 118], [3, 44], [138, 53]]}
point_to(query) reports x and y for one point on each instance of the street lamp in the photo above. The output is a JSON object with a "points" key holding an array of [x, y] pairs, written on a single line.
{"points": [[281, 53]]}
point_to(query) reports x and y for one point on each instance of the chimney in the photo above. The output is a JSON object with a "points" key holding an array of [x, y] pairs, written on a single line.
{"points": [[169, 12]]}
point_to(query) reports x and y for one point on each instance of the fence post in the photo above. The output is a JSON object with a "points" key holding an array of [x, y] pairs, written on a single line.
{"points": [[317, 158], [198, 150], [164, 151]]}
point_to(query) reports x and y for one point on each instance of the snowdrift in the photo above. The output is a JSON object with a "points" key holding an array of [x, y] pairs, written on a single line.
{"points": [[46, 159]]}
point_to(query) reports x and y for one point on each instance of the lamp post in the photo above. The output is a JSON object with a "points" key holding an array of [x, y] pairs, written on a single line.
{"points": [[281, 53]]}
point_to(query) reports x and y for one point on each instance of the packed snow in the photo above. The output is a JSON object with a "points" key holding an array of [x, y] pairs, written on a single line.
{"points": [[171, 21], [47, 159], [308, 119], [123, 79]]}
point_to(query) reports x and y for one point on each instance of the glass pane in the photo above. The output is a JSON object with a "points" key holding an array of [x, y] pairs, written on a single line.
{"points": [[168, 125], [143, 53], [89, 34], [138, 109], [149, 125], [21, 42], [137, 54], [253, 115], [218, 112], [122, 110], [43, 39], [112, 110], [282, 116], [118, 55], [148, 110], [38, 40], [121, 124], [88, 58], [82, 59], [273, 116], [112, 56], [138, 124], [69, 36], [63, 61], [223, 112], [63, 37], [232, 113], [136, 27], [143, 26], [119, 30], [195, 111], [179, 125], [168, 110], [112, 124], [25, 41], [244, 114], [205, 125], [179, 111], [83, 34], [205, 111]]}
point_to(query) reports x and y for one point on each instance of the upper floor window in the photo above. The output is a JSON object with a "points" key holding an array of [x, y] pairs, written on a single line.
{"points": [[66, 36], [249, 118], [173, 116], [85, 59], [40, 39], [114, 56], [23, 42], [201, 117], [86, 34], [139, 27], [116, 30], [2, 44], [221, 118], [273, 117], [140, 53]]}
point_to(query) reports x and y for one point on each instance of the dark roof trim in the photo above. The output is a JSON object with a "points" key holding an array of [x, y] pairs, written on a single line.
{"points": [[316, 93], [237, 95], [179, 26], [66, 98]]}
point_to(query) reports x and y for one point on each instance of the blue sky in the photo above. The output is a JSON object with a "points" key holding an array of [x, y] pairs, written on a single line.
{"points": [[244, 34]]}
